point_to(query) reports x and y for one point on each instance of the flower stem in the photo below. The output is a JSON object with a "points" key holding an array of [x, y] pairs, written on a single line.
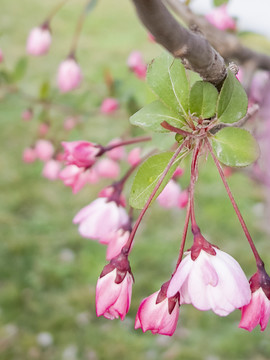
{"points": [[258, 259], [194, 227], [54, 11], [184, 236], [127, 247], [77, 33], [125, 142], [167, 126]]}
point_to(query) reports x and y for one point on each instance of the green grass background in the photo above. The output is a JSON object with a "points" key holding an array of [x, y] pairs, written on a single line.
{"points": [[39, 292]]}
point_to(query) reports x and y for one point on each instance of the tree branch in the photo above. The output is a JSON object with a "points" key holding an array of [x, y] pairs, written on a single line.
{"points": [[194, 50], [227, 44]]}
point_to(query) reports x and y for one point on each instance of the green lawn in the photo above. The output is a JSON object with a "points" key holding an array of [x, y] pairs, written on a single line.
{"points": [[47, 271]]}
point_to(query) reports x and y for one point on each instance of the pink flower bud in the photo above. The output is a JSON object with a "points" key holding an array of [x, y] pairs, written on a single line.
{"points": [[178, 173], [169, 196], [107, 168], [80, 153], [51, 169], [209, 278], [1, 56], [136, 64], [100, 219], [183, 199], [44, 150], [158, 313], [116, 242], [109, 106], [134, 157], [39, 41], [258, 310], [70, 123], [117, 153], [69, 75], [43, 129], [74, 177], [29, 155], [114, 289], [27, 114], [220, 18]]}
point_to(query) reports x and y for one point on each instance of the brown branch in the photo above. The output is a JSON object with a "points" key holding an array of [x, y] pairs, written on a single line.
{"points": [[195, 51], [227, 44]]}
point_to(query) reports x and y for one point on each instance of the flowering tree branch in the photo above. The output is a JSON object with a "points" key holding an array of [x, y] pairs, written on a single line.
{"points": [[226, 43], [194, 50]]}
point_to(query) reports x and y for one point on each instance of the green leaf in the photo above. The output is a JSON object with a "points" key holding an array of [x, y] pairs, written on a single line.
{"points": [[44, 90], [167, 78], [235, 147], [147, 177], [202, 99], [151, 115], [220, 2], [233, 101], [20, 69]]}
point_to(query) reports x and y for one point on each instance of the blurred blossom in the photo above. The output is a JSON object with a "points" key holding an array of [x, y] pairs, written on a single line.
{"points": [[134, 157], [70, 123], [137, 65], [1, 56], [69, 75], [29, 155], [44, 150], [43, 129], [220, 18], [51, 169], [44, 339], [109, 106], [107, 168], [27, 114], [169, 195], [39, 41], [117, 153]]}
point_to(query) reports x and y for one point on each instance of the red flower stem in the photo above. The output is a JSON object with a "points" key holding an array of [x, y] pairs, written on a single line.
{"points": [[184, 236], [127, 247], [167, 126], [194, 227], [54, 11], [258, 259], [135, 140]]}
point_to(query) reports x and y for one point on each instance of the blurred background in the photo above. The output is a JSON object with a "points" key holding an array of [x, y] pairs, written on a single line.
{"points": [[48, 272]]}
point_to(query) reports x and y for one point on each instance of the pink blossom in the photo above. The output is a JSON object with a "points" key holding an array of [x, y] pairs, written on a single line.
{"points": [[109, 106], [213, 280], [116, 242], [183, 199], [39, 41], [1, 56], [44, 149], [114, 289], [43, 129], [29, 155], [178, 173], [51, 169], [80, 153], [69, 75], [27, 114], [107, 168], [137, 65], [134, 157], [158, 313], [70, 123], [118, 153], [256, 312], [74, 177], [169, 195], [108, 192], [220, 18], [100, 219], [151, 37]]}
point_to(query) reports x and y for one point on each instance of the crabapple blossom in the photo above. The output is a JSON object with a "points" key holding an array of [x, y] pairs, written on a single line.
{"points": [[136, 64], [80, 153], [116, 242], [109, 106], [134, 157], [158, 313], [43, 129], [118, 153], [183, 199], [208, 278], [100, 219], [27, 114], [44, 149], [29, 155], [51, 169], [69, 75], [114, 289], [220, 18], [107, 168], [169, 195], [74, 177], [258, 310], [39, 41], [70, 123]]}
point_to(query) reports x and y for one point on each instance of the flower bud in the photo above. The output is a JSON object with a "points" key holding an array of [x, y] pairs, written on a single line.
{"points": [[69, 75], [109, 106], [39, 41]]}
